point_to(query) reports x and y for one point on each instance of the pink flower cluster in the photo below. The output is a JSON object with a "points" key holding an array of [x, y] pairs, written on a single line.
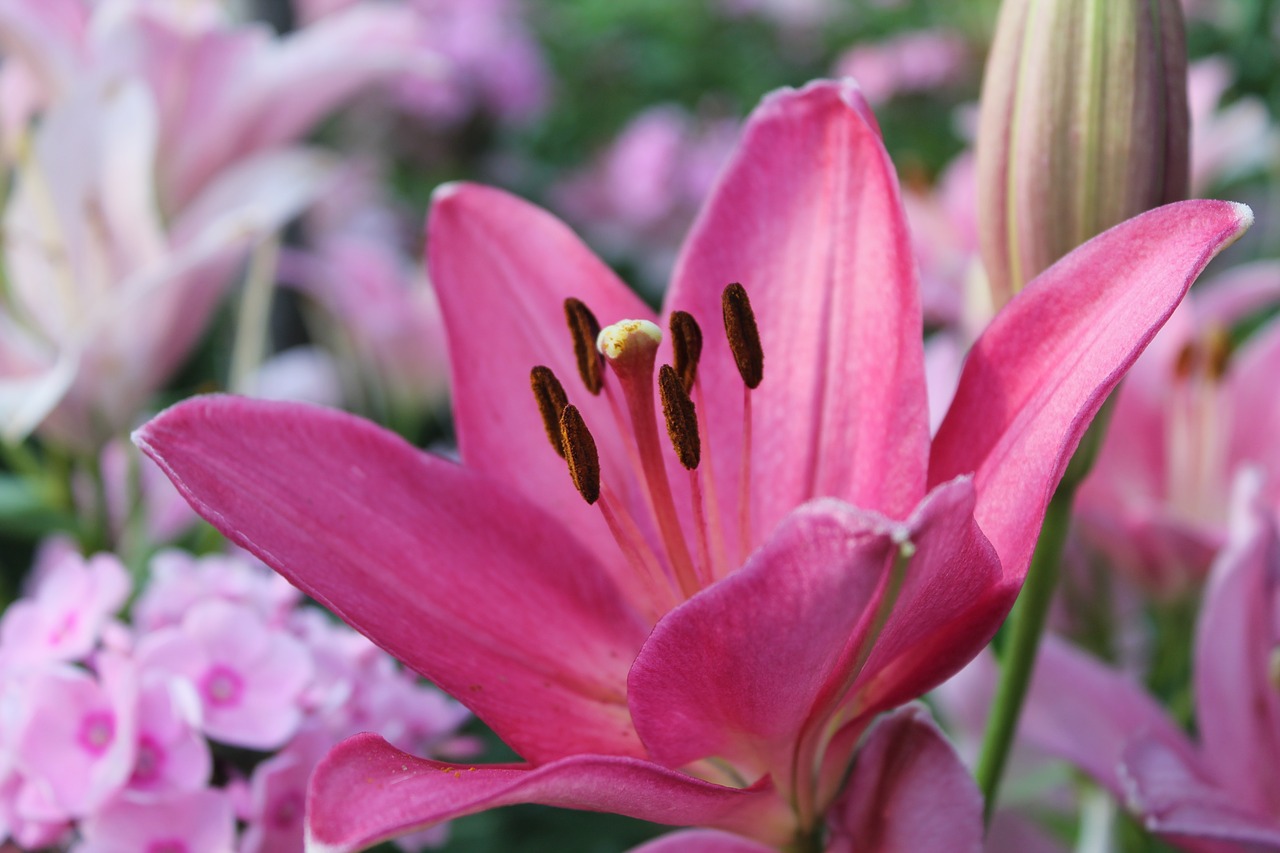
{"points": [[123, 737]]}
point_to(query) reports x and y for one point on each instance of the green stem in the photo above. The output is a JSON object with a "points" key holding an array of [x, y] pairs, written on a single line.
{"points": [[1026, 625]]}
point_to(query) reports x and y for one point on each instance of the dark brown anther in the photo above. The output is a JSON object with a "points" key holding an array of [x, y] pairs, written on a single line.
{"points": [[744, 337], [580, 451], [1185, 363], [1218, 352], [681, 416], [584, 327], [686, 343], [551, 398]]}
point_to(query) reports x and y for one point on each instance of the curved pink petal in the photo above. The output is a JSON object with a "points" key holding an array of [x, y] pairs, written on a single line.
{"points": [[1038, 375], [735, 671], [502, 269], [808, 218], [743, 669], [366, 790], [1085, 713], [446, 569], [1175, 801], [1237, 706], [909, 793], [951, 603], [702, 841]]}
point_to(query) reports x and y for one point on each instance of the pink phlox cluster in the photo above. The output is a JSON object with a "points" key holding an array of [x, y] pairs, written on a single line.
{"points": [[111, 730], [637, 200], [493, 63], [909, 62]]}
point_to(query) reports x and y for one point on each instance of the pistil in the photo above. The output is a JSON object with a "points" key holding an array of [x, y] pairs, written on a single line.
{"points": [[1196, 445], [630, 348]]}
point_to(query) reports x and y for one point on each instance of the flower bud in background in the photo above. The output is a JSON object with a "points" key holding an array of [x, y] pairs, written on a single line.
{"points": [[1083, 125]]}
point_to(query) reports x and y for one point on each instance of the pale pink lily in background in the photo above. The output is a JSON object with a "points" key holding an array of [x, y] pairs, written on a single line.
{"points": [[1215, 795], [850, 564], [1192, 415], [224, 90], [161, 154]]}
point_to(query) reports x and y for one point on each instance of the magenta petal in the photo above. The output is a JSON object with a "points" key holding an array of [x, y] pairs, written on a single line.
{"points": [[365, 791], [1081, 711], [950, 605], [736, 670], [445, 569], [909, 793], [1178, 803], [1237, 706], [1040, 372], [808, 218], [702, 841], [502, 269]]}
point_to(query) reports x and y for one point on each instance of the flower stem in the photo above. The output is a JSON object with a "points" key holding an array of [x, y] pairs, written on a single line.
{"points": [[1026, 625]]}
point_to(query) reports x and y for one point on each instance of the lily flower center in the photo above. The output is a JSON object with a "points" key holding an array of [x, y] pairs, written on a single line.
{"points": [[672, 535], [1198, 430]]}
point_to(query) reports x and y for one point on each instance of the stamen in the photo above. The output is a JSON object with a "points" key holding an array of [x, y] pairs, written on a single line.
{"points": [[584, 327], [580, 452], [1217, 353], [552, 400], [1185, 363], [686, 345], [681, 417], [744, 341], [744, 337]]}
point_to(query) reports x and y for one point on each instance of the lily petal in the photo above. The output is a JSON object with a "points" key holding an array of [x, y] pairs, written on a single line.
{"points": [[502, 269], [1237, 709], [739, 670], [735, 671], [1083, 712], [949, 607], [365, 791], [807, 216], [387, 537], [1043, 368], [1178, 803], [909, 793]]}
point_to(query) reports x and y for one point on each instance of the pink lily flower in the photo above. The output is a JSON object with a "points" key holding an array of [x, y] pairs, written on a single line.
{"points": [[1217, 795], [1191, 417], [698, 647]]}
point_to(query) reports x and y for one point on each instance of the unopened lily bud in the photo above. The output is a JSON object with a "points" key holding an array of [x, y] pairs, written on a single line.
{"points": [[1083, 125]]}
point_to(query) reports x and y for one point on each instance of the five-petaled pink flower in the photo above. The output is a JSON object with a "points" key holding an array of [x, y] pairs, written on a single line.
{"points": [[698, 647]]}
